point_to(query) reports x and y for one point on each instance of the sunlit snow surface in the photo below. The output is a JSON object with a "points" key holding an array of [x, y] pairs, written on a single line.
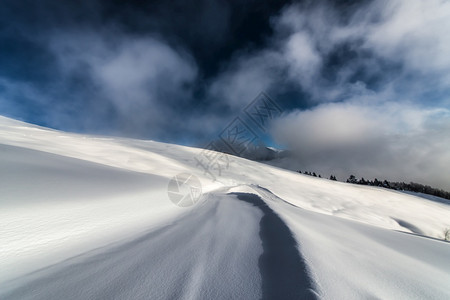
{"points": [[86, 217]]}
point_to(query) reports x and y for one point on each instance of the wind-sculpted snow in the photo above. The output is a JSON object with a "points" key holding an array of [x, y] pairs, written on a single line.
{"points": [[210, 253], [89, 217], [283, 269]]}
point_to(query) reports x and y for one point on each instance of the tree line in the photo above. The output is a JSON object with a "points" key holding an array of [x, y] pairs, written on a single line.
{"points": [[310, 173], [401, 186], [394, 185]]}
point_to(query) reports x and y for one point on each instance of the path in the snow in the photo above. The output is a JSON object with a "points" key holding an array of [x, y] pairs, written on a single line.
{"points": [[223, 249], [283, 269]]}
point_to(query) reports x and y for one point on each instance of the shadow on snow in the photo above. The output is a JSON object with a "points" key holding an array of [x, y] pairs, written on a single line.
{"points": [[283, 269]]}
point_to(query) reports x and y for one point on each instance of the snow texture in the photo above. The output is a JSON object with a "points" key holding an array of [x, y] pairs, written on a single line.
{"points": [[89, 217]]}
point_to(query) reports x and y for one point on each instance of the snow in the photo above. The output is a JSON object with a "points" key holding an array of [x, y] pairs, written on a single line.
{"points": [[183, 259], [429, 197], [352, 260], [87, 217]]}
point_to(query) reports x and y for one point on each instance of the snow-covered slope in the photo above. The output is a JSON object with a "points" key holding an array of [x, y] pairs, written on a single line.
{"points": [[89, 217]]}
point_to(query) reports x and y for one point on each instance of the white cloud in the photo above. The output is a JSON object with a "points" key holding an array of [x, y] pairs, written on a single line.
{"points": [[143, 77], [414, 31], [304, 60], [246, 78], [139, 69], [389, 140]]}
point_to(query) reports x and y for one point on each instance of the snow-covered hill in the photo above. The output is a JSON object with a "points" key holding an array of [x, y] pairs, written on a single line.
{"points": [[89, 217]]}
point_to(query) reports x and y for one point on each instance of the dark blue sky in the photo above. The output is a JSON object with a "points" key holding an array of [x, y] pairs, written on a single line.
{"points": [[364, 85]]}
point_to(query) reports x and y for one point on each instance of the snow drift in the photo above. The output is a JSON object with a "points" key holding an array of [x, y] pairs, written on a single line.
{"points": [[87, 217]]}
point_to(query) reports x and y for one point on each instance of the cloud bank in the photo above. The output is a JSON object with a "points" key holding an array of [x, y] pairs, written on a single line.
{"points": [[386, 141]]}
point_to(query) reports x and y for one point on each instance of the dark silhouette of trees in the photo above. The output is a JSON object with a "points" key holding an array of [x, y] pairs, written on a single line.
{"points": [[352, 179], [310, 174], [401, 186]]}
